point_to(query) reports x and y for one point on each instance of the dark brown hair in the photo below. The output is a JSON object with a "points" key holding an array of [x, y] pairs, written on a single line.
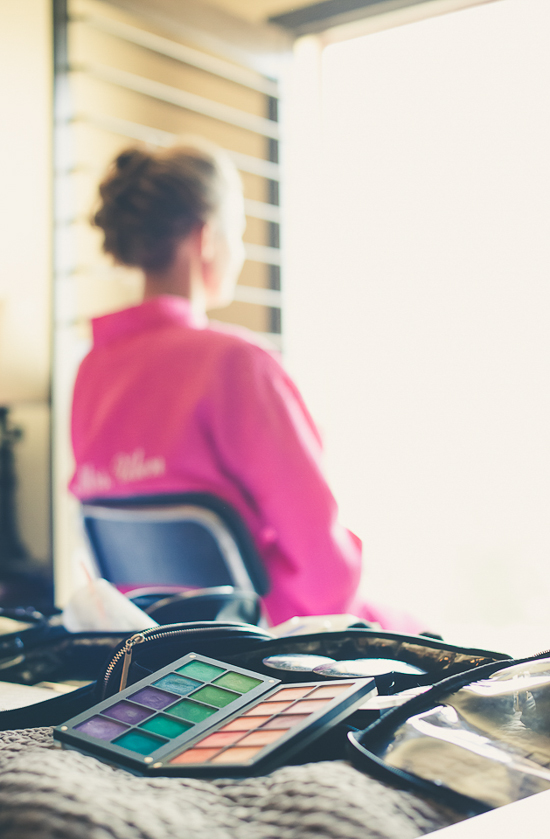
{"points": [[149, 200]]}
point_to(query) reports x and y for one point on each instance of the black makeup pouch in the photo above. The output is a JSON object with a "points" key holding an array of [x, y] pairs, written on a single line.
{"points": [[151, 649], [80, 661], [18, 626], [107, 660], [147, 651], [476, 740]]}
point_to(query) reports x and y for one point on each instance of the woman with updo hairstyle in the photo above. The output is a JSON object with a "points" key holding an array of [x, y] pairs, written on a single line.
{"points": [[168, 402]]}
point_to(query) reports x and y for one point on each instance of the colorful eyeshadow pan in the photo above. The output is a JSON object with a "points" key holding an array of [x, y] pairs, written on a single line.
{"points": [[205, 718], [201, 671], [215, 696], [195, 756], [285, 721], [135, 741], [268, 708], [290, 693], [244, 723], [177, 684], [221, 738], [101, 728], [153, 698], [166, 726], [192, 711], [236, 681], [128, 712], [236, 755], [165, 711], [260, 738]]}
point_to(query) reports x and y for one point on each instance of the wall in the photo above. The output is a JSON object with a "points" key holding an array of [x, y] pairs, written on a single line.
{"points": [[25, 224]]}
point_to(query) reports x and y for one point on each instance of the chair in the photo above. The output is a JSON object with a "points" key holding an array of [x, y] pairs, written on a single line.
{"points": [[186, 540]]}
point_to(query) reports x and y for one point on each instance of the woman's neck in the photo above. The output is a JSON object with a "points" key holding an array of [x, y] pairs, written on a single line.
{"points": [[182, 278]]}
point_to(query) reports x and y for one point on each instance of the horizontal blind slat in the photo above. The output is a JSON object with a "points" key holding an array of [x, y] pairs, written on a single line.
{"points": [[180, 98], [179, 52]]}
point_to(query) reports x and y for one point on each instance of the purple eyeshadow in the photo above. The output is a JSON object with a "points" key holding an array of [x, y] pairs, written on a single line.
{"points": [[153, 698], [127, 712], [101, 728]]}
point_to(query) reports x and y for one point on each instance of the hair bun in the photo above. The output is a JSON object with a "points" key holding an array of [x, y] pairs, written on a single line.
{"points": [[151, 199], [131, 160]]}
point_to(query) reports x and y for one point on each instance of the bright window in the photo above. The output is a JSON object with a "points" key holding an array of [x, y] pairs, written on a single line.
{"points": [[426, 325]]}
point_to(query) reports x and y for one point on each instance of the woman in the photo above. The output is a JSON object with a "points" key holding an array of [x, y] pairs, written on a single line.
{"points": [[168, 402]]}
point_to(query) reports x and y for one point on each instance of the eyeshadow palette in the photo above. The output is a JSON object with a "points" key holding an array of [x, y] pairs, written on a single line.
{"points": [[203, 717]]}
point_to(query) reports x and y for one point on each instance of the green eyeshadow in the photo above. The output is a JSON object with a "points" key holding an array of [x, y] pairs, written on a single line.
{"points": [[165, 726], [215, 696], [201, 670], [237, 681], [135, 741], [191, 711]]}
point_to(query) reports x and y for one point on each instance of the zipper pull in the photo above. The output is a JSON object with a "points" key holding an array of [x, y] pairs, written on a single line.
{"points": [[128, 650]]}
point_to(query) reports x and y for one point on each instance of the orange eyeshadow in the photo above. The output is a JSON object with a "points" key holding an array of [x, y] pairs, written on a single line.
{"points": [[194, 756], [219, 739], [267, 708], [308, 706], [244, 723], [236, 755], [329, 692], [260, 738], [289, 693], [285, 721]]}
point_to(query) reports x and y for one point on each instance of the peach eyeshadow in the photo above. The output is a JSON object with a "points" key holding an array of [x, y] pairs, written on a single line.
{"points": [[285, 721], [219, 739], [307, 706], [194, 756], [261, 738], [329, 692], [289, 693], [244, 723], [237, 755], [267, 708]]}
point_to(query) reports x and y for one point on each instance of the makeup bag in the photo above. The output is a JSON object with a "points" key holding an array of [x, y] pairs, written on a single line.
{"points": [[18, 626], [108, 659], [148, 651], [58, 656], [475, 740]]}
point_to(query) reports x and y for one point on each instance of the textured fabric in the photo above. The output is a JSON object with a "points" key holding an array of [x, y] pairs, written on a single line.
{"points": [[54, 794], [166, 402]]}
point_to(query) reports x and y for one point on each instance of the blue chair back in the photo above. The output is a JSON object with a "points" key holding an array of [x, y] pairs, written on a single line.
{"points": [[187, 539]]}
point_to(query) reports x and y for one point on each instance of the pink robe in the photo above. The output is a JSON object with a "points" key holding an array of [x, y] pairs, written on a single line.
{"points": [[166, 402]]}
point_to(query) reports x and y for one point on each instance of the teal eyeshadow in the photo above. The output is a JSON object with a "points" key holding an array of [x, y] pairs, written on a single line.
{"points": [[201, 670], [165, 726], [215, 696], [191, 711], [177, 684], [135, 741], [238, 681]]}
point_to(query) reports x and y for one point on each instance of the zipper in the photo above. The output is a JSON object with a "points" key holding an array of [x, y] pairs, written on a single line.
{"points": [[153, 634], [128, 650]]}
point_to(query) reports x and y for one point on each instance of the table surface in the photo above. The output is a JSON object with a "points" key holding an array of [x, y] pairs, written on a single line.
{"points": [[523, 818]]}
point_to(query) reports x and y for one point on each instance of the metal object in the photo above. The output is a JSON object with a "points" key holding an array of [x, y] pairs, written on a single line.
{"points": [[297, 662], [365, 667]]}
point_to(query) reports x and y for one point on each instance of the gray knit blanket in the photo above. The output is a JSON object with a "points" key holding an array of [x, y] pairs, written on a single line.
{"points": [[47, 793]]}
